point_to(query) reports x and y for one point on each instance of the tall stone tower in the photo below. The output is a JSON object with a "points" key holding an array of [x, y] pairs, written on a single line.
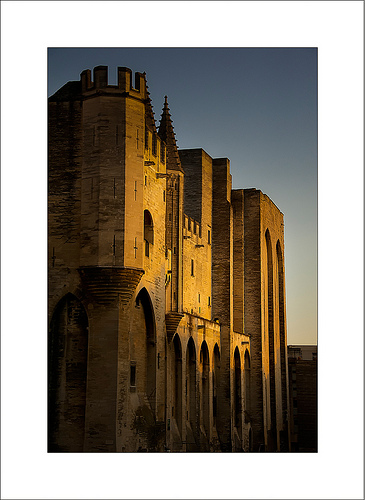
{"points": [[106, 197]]}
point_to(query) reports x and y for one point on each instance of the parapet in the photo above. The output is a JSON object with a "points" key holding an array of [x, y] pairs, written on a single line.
{"points": [[125, 84]]}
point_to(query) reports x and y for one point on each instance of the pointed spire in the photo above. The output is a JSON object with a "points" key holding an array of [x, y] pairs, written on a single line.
{"points": [[167, 134], [150, 116]]}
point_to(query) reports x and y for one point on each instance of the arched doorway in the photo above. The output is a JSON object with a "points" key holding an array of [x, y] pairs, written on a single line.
{"points": [[67, 373]]}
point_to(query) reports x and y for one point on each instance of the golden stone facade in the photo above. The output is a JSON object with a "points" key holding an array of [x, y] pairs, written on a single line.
{"points": [[167, 323]]}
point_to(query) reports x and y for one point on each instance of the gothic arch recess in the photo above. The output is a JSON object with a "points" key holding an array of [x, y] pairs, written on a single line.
{"points": [[191, 395], [145, 336], [177, 382], [247, 376], [237, 391], [270, 315], [284, 438], [216, 382], [204, 367], [67, 371]]}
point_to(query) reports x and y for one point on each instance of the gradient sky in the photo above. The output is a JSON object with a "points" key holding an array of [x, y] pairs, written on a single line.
{"points": [[258, 107]]}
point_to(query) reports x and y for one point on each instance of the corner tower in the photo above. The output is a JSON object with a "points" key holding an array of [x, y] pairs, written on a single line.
{"points": [[113, 123]]}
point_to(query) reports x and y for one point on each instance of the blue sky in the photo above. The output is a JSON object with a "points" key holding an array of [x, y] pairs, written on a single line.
{"points": [[256, 106]]}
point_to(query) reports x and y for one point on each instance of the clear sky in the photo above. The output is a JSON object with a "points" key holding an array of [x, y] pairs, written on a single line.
{"points": [[258, 107]]}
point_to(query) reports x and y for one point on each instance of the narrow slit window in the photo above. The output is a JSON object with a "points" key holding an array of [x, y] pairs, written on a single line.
{"points": [[146, 248], [146, 138], [133, 375], [154, 145], [162, 151]]}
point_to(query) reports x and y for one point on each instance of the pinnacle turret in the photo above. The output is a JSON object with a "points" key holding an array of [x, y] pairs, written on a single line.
{"points": [[150, 116], [167, 134]]}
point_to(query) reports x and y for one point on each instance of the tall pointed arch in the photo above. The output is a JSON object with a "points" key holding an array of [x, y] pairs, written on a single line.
{"points": [[145, 336], [237, 392], [247, 377], [216, 383], [67, 373], [270, 316], [204, 367], [283, 349], [191, 392], [177, 382]]}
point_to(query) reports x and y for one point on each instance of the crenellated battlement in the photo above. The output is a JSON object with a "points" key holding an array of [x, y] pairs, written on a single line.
{"points": [[125, 82]]}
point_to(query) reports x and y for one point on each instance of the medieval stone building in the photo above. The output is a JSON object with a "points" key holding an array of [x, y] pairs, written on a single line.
{"points": [[167, 323]]}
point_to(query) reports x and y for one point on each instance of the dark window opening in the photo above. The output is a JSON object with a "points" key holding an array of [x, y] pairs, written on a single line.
{"points": [[162, 153], [148, 232], [133, 375], [154, 145], [146, 248]]}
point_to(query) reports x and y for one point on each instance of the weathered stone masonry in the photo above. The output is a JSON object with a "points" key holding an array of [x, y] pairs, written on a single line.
{"points": [[167, 323]]}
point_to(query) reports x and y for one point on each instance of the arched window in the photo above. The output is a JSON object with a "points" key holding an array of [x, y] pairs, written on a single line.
{"points": [[67, 372], [147, 232]]}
